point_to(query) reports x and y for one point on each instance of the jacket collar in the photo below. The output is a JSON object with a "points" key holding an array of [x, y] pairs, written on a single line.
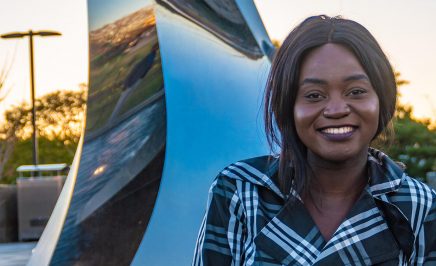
{"points": [[385, 175], [260, 171]]}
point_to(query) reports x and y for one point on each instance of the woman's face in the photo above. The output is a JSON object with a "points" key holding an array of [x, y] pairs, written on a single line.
{"points": [[336, 111]]}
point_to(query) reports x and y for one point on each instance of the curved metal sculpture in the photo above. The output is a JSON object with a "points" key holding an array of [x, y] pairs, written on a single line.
{"points": [[175, 95]]}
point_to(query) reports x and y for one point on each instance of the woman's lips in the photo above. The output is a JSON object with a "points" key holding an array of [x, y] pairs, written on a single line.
{"points": [[337, 133]]}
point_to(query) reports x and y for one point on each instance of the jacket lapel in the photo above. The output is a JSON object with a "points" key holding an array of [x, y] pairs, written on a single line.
{"points": [[386, 177], [363, 238], [291, 237]]}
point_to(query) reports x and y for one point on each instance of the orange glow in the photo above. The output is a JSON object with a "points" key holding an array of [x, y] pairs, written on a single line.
{"points": [[62, 62], [99, 170]]}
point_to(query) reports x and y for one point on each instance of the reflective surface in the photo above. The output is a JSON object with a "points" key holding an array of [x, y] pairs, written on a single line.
{"points": [[124, 147], [214, 117], [14, 254], [222, 18], [150, 154]]}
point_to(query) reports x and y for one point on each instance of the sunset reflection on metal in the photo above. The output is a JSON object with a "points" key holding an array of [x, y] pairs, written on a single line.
{"points": [[175, 95]]}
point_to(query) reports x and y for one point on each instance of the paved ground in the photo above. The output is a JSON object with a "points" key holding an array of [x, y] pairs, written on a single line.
{"points": [[15, 254]]}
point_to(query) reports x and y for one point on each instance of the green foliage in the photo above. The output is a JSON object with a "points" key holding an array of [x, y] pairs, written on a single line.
{"points": [[414, 143], [50, 151], [59, 121], [58, 115]]}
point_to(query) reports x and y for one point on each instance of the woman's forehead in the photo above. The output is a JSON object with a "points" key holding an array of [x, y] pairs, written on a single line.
{"points": [[330, 61]]}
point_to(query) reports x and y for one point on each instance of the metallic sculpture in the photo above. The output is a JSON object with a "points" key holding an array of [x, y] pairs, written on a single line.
{"points": [[175, 95]]}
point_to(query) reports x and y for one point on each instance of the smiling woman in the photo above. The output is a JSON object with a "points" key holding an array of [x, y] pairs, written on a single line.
{"points": [[327, 198], [336, 109]]}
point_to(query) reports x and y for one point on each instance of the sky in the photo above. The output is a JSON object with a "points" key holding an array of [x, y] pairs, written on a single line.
{"points": [[60, 62], [111, 10], [404, 29]]}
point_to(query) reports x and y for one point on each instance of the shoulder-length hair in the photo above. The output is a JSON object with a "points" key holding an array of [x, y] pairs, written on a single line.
{"points": [[282, 87]]}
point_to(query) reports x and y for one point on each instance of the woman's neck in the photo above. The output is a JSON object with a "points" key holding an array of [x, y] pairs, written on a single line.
{"points": [[338, 180], [334, 189]]}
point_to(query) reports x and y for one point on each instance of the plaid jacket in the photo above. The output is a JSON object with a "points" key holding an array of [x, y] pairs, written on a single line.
{"points": [[250, 222]]}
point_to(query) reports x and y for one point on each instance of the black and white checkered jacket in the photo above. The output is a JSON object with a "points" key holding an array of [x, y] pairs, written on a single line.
{"points": [[250, 222]]}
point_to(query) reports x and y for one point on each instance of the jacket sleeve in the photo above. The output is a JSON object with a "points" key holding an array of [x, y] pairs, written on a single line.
{"points": [[221, 237], [426, 240]]}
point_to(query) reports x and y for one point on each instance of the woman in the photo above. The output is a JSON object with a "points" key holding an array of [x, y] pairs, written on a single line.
{"points": [[328, 199]]}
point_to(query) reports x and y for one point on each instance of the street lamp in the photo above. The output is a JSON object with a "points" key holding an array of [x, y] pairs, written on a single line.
{"points": [[31, 33]]}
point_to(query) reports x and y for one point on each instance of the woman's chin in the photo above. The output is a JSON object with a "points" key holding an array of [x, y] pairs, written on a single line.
{"points": [[339, 156]]}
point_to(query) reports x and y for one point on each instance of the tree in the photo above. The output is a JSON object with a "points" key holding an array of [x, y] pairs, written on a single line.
{"points": [[7, 139], [58, 116], [50, 151], [7, 143], [414, 143], [59, 122]]}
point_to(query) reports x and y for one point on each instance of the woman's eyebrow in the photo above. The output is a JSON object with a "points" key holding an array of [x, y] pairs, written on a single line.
{"points": [[324, 82], [313, 81], [356, 77]]}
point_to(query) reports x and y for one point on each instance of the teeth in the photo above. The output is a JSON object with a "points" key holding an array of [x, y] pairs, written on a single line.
{"points": [[337, 130]]}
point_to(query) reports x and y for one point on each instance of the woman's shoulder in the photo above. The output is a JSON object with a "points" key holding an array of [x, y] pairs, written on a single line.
{"points": [[417, 191], [415, 199], [257, 167], [391, 182], [257, 171], [391, 172]]}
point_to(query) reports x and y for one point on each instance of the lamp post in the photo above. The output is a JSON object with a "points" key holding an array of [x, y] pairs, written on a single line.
{"points": [[30, 34]]}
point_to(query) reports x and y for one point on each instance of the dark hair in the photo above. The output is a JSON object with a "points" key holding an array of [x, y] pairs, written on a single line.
{"points": [[282, 87]]}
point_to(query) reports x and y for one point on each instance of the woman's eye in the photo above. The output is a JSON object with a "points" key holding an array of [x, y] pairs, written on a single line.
{"points": [[313, 96], [356, 92]]}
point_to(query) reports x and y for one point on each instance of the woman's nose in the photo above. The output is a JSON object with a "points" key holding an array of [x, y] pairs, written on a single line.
{"points": [[336, 108]]}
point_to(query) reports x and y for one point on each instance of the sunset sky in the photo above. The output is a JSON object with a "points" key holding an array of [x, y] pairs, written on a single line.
{"points": [[403, 28]]}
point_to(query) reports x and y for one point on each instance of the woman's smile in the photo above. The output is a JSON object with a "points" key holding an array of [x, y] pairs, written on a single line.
{"points": [[340, 133]]}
